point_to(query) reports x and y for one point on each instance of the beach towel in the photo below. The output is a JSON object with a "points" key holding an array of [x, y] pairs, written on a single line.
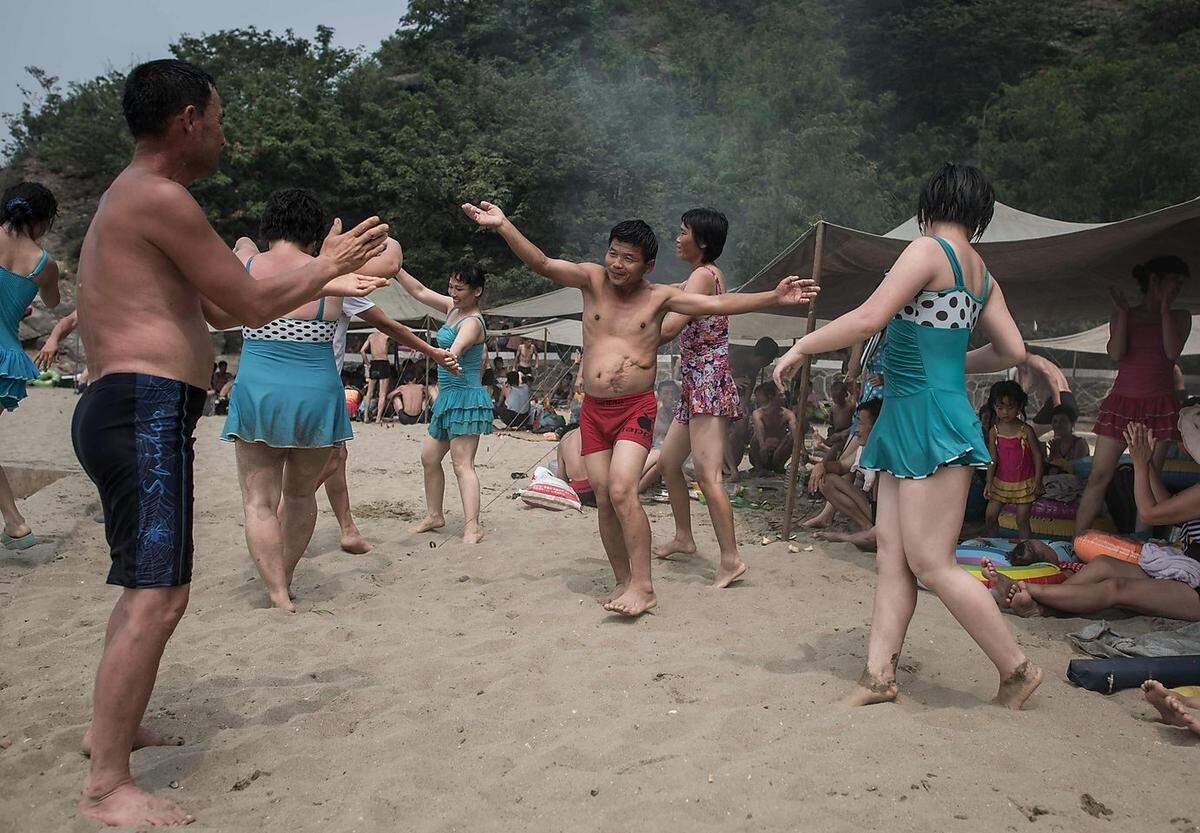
{"points": [[1169, 563]]}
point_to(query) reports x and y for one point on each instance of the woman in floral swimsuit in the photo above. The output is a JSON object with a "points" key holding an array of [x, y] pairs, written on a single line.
{"points": [[708, 401]]}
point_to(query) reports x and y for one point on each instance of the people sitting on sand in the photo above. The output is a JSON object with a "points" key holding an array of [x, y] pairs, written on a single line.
{"points": [[1065, 447], [1166, 578], [841, 408], [221, 378], [739, 431], [668, 400], [514, 413], [409, 398], [771, 427], [1015, 474], [1175, 709], [848, 488]]}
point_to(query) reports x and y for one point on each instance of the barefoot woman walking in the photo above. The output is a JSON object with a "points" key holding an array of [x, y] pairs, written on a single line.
{"points": [[928, 439], [709, 398]]}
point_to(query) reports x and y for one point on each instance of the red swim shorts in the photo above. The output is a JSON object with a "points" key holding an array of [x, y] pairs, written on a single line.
{"points": [[604, 421]]}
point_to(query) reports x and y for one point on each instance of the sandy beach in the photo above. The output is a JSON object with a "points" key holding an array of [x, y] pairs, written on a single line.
{"points": [[457, 688]]}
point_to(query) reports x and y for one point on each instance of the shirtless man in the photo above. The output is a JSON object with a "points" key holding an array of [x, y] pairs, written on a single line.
{"points": [[622, 324], [410, 397], [771, 427], [527, 359], [151, 271], [379, 372], [1042, 378]]}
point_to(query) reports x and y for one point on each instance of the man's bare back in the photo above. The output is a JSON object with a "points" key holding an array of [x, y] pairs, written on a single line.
{"points": [[412, 397], [142, 315], [377, 346]]}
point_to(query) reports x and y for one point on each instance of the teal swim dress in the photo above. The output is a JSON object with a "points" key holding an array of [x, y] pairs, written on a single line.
{"points": [[16, 294], [927, 421], [463, 407], [288, 393]]}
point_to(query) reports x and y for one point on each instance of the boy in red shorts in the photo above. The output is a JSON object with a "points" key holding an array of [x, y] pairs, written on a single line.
{"points": [[622, 322]]}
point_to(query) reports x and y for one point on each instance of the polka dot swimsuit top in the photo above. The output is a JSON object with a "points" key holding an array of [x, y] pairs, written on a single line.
{"points": [[313, 331], [946, 309]]}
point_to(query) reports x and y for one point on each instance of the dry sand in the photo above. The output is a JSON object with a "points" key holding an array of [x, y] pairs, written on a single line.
{"points": [[482, 689]]}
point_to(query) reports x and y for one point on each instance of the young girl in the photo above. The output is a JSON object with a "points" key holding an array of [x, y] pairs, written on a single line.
{"points": [[1015, 476], [27, 211], [708, 401], [1145, 340], [462, 407], [927, 438]]}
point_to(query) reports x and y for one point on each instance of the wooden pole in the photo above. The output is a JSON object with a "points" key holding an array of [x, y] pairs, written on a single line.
{"points": [[805, 386]]}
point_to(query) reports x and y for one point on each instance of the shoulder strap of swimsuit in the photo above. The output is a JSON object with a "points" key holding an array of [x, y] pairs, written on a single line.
{"points": [[40, 264], [320, 309], [248, 262], [958, 275], [987, 285], [716, 278]]}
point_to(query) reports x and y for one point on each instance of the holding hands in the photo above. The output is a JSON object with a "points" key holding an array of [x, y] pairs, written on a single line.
{"points": [[447, 360]]}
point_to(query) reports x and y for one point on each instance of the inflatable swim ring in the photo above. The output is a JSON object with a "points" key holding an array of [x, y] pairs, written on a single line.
{"points": [[1094, 544]]}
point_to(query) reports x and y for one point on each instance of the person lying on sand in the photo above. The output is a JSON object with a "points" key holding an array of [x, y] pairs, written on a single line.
{"points": [[1175, 709], [1108, 582]]}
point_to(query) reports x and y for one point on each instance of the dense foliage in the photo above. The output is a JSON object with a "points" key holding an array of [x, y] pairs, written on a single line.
{"points": [[573, 115]]}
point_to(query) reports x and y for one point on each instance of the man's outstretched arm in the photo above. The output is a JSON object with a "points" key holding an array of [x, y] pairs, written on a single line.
{"points": [[791, 290], [560, 271]]}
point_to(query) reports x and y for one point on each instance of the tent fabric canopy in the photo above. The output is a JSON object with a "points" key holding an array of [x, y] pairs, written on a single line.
{"points": [[1095, 341], [558, 303], [1051, 270]]}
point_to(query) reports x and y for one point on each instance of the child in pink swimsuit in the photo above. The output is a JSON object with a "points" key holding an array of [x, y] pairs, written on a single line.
{"points": [[1015, 476]]}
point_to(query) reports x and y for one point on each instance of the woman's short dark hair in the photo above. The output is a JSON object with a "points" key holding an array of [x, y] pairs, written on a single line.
{"points": [[872, 407], [25, 205], [294, 215], [157, 90], [470, 273], [709, 229], [957, 194], [1161, 265]]}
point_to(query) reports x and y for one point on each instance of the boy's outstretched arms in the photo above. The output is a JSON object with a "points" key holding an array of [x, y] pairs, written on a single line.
{"points": [[560, 271]]}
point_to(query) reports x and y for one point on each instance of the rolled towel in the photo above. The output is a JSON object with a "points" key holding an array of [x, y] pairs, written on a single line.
{"points": [[1167, 562]]}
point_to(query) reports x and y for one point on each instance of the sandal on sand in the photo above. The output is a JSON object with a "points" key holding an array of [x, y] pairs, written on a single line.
{"points": [[23, 543]]}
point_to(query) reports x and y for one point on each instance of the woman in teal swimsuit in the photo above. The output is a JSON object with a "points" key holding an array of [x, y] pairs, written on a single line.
{"points": [[463, 408], [27, 211], [928, 440]]}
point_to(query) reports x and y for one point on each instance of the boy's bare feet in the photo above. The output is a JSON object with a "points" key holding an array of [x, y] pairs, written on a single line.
{"points": [[726, 577], [143, 738], [354, 543], [683, 546], [127, 805], [1018, 686], [632, 603], [1170, 709], [429, 523], [872, 689]]}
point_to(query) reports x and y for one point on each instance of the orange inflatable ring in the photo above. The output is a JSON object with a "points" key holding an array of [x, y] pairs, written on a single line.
{"points": [[1092, 545]]}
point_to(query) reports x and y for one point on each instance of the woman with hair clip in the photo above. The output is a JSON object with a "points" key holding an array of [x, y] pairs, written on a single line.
{"points": [[928, 439], [27, 212], [1145, 340], [462, 410], [708, 399]]}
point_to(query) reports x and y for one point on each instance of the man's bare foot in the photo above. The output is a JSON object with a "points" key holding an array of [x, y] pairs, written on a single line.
{"points": [[1170, 709], [429, 523], [19, 531], [1015, 690], [617, 592], [683, 546], [818, 521], [632, 603], [354, 543], [472, 533], [725, 577], [282, 599], [130, 806], [871, 690], [143, 738]]}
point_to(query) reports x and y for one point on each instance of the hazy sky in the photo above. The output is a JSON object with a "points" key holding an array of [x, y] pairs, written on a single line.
{"points": [[79, 39]]}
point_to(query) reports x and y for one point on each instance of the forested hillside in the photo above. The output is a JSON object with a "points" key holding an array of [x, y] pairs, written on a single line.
{"points": [[573, 115]]}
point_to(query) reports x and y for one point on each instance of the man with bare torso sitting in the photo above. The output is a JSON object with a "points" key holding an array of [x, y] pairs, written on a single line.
{"points": [[622, 324], [152, 271]]}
